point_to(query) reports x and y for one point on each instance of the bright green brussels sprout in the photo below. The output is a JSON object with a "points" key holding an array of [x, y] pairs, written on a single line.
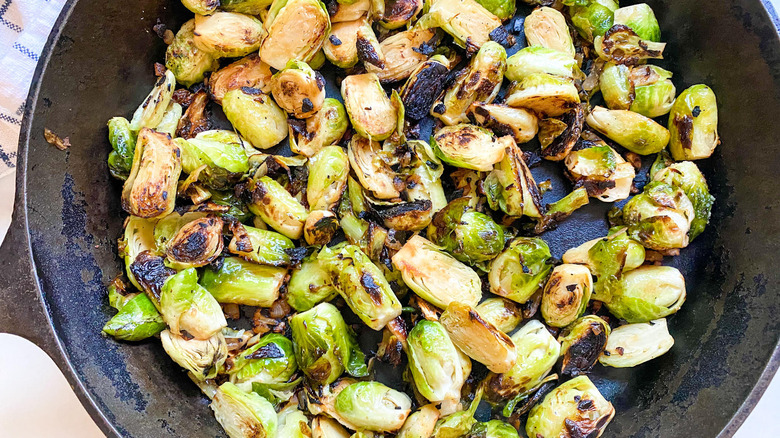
{"points": [[243, 414], [469, 146], [634, 344], [372, 113], [502, 9], [493, 429], [250, 7], [547, 27], [137, 319], [195, 244], [601, 170], [561, 209], [290, 36], [436, 276], [544, 93], [581, 344], [458, 424], [689, 178], [309, 285], [563, 409], [150, 189], [261, 246], [361, 283], [202, 7], [647, 293], [511, 187], [151, 112], [249, 71], [256, 116], [185, 60], [520, 124], [328, 172], [373, 406], [402, 54], [202, 358], [504, 314], [228, 34], [594, 18], [298, 89], [478, 338], [609, 255], [421, 423], [468, 22], [237, 209], [325, 346], [225, 162], [480, 82], [631, 130], [566, 294], [469, 236], [622, 45], [241, 282], [540, 59], [521, 269], [693, 124], [616, 87], [537, 351], [122, 140], [189, 308], [435, 363], [659, 217], [322, 129], [325, 427], [292, 423], [641, 19], [277, 207], [270, 361], [653, 90]]}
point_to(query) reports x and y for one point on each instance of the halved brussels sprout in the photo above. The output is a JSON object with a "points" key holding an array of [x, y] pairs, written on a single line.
{"points": [[320, 227], [373, 115], [689, 178], [469, 146], [544, 93], [458, 424], [602, 171], [309, 285], [659, 217], [196, 244], [361, 283], [400, 12], [228, 34], [648, 293], [574, 405], [558, 142], [185, 60], [188, 308], [256, 116], [582, 343], [511, 187], [298, 89], [296, 30], [138, 243], [150, 189], [424, 85], [251, 7], [622, 45], [469, 23], [436, 364], [277, 207], [616, 86], [202, 358], [547, 27], [653, 90], [480, 82], [493, 429], [372, 167], [519, 271], [634, 344], [641, 19], [502, 9], [540, 59], [325, 346], [373, 406], [421, 423], [349, 11], [424, 176], [478, 338], [566, 294], [322, 129], [504, 120], [293, 423], [631, 130], [170, 120], [249, 71], [436, 276], [504, 314], [203, 7], [242, 282], [325, 427], [150, 113], [122, 140], [225, 161], [340, 47], [468, 235], [270, 361], [693, 124], [368, 49], [593, 18], [243, 414], [403, 53], [137, 319], [260, 246]]}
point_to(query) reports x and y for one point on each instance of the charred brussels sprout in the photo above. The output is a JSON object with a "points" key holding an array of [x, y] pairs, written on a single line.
{"points": [[478, 338], [150, 189], [138, 239], [137, 319], [493, 429], [324, 128], [242, 282], [647, 293], [122, 140], [320, 227], [249, 72], [641, 19], [593, 18], [255, 116], [251, 7], [622, 45], [480, 82], [270, 362], [402, 53], [547, 27], [660, 217], [196, 244], [185, 60], [228, 34], [400, 12], [511, 188], [602, 171], [150, 113], [421, 423], [328, 173], [469, 236], [325, 346], [373, 115], [468, 22], [576, 404], [631, 130], [518, 123], [373, 167], [469, 146], [202, 7], [261, 246], [243, 414], [634, 344], [298, 89], [519, 271], [689, 178], [225, 161], [202, 358], [373, 406], [189, 308], [424, 85], [277, 207], [436, 276], [539, 59], [504, 314], [566, 294], [693, 124], [582, 343], [296, 30], [309, 285], [340, 47], [544, 93]]}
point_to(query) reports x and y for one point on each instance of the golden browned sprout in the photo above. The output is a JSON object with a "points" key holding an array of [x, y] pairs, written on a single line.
{"points": [[228, 34], [249, 71], [518, 123], [150, 190], [403, 54], [320, 226], [478, 338], [371, 112], [197, 243], [296, 30], [298, 89]]}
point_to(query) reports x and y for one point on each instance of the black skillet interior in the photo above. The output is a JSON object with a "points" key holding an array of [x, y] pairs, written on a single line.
{"points": [[724, 335]]}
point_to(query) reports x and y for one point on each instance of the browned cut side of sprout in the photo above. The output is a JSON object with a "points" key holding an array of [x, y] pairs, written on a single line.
{"points": [[403, 53], [196, 244], [150, 190], [478, 338], [249, 71]]}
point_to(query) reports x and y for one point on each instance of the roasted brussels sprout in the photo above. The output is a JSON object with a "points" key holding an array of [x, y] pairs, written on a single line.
{"points": [[469, 146], [196, 244], [202, 7], [122, 139], [322, 129], [242, 282], [547, 27], [519, 271], [459, 423], [602, 171], [249, 71], [424, 176], [373, 406], [328, 173], [372, 167], [593, 18], [277, 207], [228, 34], [421, 423], [340, 47], [478, 338], [689, 178], [659, 217], [298, 89], [400, 12], [616, 86], [511, 188], [251, 7], [566, 294], [504, 314], [170, 120], [634, 344], [402, 53], [349, 11], [631, 130], [226, 161], [309, 285], [296, 30], [373, 115], [622, 45], [693, 124], [436, 276], [188, 308], [138, 250], [469, 23], [150, 189], [361, 283], [582, 343], [647, 89], [150, 113], [641, 19], [325, 346], [647, 293], [468, 235], [270, 361], [539, 59], [574, 405], [424, 85], [544, 93], [137, 319], [260, 246], [202, 358], [480, 82], [320, 227], [325, 427], [185, 60], [255, 116], [493, 429], [243, 414], [504, 120], [293, 423]]}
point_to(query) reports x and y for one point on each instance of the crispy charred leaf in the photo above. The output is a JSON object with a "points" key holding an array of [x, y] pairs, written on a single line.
{"points": [[195, 119], [424, 86], [150, 272], [622, 45], [563, 143], [582, 342]]}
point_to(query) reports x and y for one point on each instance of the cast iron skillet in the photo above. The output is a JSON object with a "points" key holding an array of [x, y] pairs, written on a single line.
{"points": [[61, 248]]}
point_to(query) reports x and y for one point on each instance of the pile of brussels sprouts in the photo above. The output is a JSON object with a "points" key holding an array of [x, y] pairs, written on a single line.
{"points": [[257, 271]]}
